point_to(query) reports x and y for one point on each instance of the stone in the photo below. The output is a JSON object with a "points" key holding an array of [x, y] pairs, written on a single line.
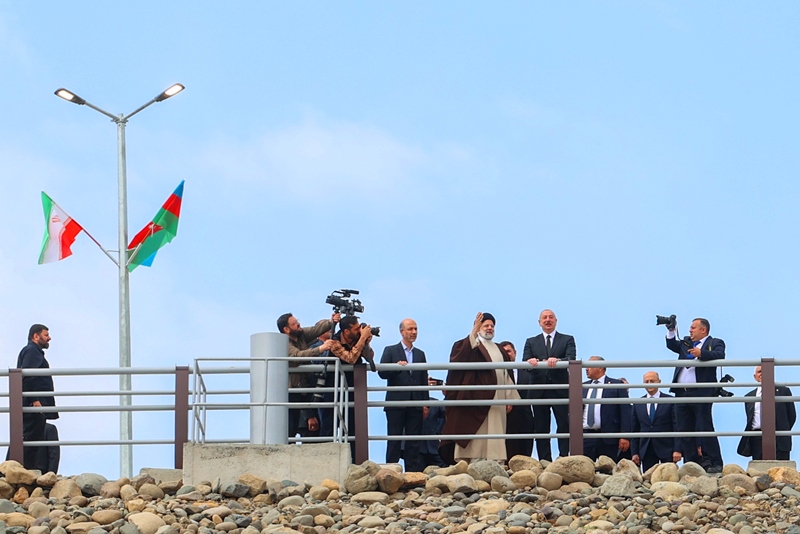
{"points": [[221, 511], [20, 475], [20, 495], [463, 483], [47, 480], [573, 469], [502, 484], [234, 490], [170, 486], [784, 474], [524, 463], [38, 509], [413, 479], [66, 488], [438, 482], [135, 505], [151, 490], [668, 491], [292, 500], [358, 480], [110, 490], [146, 522], [485, 470], [741, 480], [319, 493], [41, 529], [666, 472], [524, 478], [6, 490], [370, 497], [706, 486], [255, 485], [691, 469], [371, 467], [106, 517], [618, 486], [142, 478], [733, 469], [491, 507], [372, 521], [127, 492], [389, 480], [628, 468], [330, 484], [90, 483], [604, 464], [83, 527]]}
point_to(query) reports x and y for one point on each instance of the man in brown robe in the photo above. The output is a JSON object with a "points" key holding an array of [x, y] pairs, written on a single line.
{"points": [[477, 420]]}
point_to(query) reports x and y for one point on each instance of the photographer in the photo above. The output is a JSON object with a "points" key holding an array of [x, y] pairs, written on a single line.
{"points": [[299, 340], [696, 417], [351, 345]]}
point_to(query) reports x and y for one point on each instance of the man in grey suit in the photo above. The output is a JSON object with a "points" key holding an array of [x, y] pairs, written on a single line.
{"points": [[785, 417], [542, 352], [404, 420]]}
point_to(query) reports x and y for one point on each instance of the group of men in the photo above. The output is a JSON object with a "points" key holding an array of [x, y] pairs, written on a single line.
{"points": [[542, 380]]}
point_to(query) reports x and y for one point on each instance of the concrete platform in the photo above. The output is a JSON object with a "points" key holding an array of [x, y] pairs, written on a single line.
{"points": [[312, 462], [765, 465], [162, 474]]}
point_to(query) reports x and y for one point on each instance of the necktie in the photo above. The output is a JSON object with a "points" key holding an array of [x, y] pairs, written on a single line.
{"points": [[590, 413], [548, 344], [652, 412]]}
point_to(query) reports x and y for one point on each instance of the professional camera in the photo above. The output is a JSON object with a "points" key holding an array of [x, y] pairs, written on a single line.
{"points": [[342, 303], [671, 321], [727, 379], [320, 383], [376, 330]]}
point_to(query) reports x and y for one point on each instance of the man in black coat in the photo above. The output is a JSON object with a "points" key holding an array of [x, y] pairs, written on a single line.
{"points": [[33, 424], [520, 419], [785, 417], [549, 347], [654, 417], [604, 418], [695, 416], [404, 420], [432, 423]]}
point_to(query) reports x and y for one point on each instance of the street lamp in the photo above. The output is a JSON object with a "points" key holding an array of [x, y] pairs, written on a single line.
{"points": [[126, 417]]}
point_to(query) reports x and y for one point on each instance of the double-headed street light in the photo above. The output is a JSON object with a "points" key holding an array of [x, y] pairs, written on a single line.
{"points": [[126, 418]]}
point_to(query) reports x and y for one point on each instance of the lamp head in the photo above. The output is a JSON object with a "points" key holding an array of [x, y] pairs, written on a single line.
{"points": [[69, 96], [172, 90]]}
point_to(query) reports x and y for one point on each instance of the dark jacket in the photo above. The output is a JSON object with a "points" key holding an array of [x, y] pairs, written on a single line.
{"points": [[613, 417], [432, 426], [712, 349], [401, 377], [664, 421], [48, 458], [32, 357], [563, 348], [785, 417]]}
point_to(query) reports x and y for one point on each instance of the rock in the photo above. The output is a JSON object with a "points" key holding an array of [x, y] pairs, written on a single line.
{"points": [[38, 509], [20, 495], [491, 507], [784, 474], [370, 497], [668, 491], [604, 464], [372, 521], [741, 480], [667, 472], [706, 486], [293, 500], [221, 511], [573, 469], [389, 480], [618, 486], [599, 524], [83, 527], [140, 479], [438, 482], [66, 488], [234, 490], [628, 468], [691, 469], [41, 529], [106, 517], [524, 478], [6, 490], [319, 493], [110, 490], [20, 475], [90, 483], [733, 469], [170, 486], [463, 483], [6, 506], [330, 484], [146, 522], [502, 484], [485, 470], [127, 492], [413, 479], [524, 463], [358, 480], [135, 505], [47, 480], [371, 467], [151, 490], [254, 484]]}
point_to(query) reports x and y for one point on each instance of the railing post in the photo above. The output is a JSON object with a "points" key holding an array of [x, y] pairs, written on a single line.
{"points": [[15, 450], [575, 408], [181, 412], [768, 408], [361, 419]]}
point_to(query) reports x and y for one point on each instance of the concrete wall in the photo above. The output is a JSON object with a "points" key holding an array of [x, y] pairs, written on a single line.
{"points": [[312, 462]]}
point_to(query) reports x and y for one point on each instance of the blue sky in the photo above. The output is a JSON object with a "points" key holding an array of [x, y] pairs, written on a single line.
{"points": [[611, 161]]}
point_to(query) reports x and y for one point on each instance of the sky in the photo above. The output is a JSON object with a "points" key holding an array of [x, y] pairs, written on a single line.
{"points": [[610, 161]]}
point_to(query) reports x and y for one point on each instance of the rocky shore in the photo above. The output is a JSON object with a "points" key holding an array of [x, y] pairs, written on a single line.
{"points": [[570, 495]]}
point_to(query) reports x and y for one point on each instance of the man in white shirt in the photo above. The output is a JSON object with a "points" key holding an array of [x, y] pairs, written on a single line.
{"points": [[785, 416], [654, 417]]}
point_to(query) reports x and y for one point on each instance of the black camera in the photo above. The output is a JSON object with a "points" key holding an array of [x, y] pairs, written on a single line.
{"points": [[320, 383], [671, 321], [727, 379], [375, 330], [342, 303]]}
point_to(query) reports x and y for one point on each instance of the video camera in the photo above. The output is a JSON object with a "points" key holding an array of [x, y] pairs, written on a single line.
{"points": [[343, 303]]}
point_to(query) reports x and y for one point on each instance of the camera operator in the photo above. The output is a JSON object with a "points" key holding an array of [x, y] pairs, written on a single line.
{"points": [[351, 345], [299, 340], [694, 417]]}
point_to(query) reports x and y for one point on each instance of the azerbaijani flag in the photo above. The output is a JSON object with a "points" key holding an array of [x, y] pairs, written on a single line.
{"points": [[60, 231], [157, 233]]}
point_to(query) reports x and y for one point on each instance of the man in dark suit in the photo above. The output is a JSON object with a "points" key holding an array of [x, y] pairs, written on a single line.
{"points": [[549, 347], [520, 419], [604, 418], [785, 417], [403, 420], [696, 417], [432, 423], [654, 417]]}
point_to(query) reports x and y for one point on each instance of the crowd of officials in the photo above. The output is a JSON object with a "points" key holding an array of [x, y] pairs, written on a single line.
{"points": [[350, 343]]}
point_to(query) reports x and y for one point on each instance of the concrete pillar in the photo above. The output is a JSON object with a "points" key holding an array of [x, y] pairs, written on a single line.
{"points": [[269, 382]]}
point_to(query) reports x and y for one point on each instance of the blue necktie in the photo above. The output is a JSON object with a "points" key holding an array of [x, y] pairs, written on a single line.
{"points": [[652, 412], [590, 407]]}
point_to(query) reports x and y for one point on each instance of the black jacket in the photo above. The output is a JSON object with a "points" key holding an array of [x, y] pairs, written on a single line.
{"points": [[402, 377], [563, 348], [32, 357]]}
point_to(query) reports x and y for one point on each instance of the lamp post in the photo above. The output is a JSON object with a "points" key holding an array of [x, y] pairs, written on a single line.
{"points": [[125, 417]]}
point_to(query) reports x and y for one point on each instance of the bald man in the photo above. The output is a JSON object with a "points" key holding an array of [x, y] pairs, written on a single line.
{"points": [[654, 417], [404, 420]]}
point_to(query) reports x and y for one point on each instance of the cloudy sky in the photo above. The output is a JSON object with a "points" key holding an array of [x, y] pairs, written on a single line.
{"points": [[611, 161]]}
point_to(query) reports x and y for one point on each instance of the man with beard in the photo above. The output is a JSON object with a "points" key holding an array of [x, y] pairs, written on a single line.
{"points": [[478, 420], [299, 340], [33, 424]]}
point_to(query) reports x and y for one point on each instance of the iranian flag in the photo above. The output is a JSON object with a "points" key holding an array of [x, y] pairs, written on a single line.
{"points": [[60, 231]]}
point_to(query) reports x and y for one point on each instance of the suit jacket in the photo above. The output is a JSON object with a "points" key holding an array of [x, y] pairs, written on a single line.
{"points": [[712, 349], [785, 417], [613, 417], [401, 377], [432, 426], [664, 421], [563, 348], [32, 357]]}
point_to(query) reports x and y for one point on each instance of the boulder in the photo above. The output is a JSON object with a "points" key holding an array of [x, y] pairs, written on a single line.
{"points": [[628, 468], [146, 522], [140, 479], [668, 491], [255, 485], [106, 517], [785, 474], [485, 470], [412, 479], [389, 480], [369, 497], [667, 472], [705, 486], [502, 484], [90, 483], [691, 469], [573, 469], [66, 488], [358, 480], [47, 480], [151, 490], [524, 477], [604, 464], [524, 463], [618, 486], [549, 481], [20, 475], [463, 483], [741, 480]]}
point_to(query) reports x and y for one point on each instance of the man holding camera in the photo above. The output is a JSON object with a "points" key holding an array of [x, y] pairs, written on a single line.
{"points": [[351, 345], [299, 340], [696, 417], [404, 420]]}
